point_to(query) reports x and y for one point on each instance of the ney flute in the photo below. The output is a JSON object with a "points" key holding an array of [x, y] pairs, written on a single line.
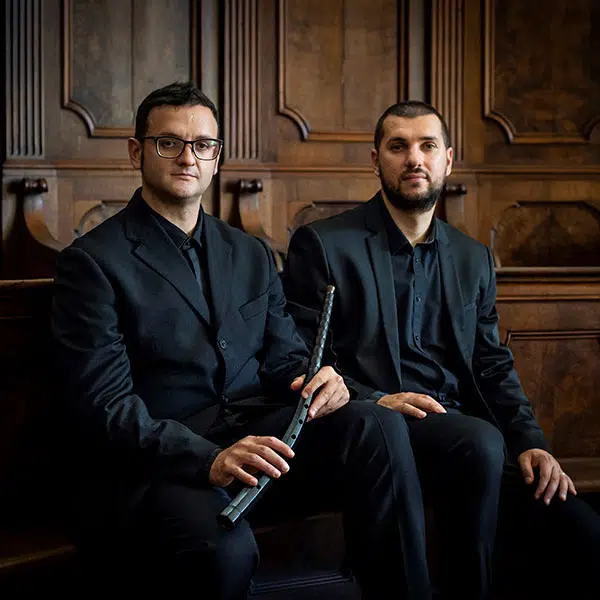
{"points": [[242, 503]]}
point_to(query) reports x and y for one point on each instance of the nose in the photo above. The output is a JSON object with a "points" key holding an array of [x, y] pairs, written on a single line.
{"points": [[414, 157], [187, 157]]}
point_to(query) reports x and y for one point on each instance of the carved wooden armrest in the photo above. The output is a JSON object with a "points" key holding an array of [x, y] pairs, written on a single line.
{"points": [[251, 218], [33, 210]]}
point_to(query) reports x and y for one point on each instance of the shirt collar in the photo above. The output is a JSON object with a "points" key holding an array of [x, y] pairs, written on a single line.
{"points": [[397, 241], [179, 237]]}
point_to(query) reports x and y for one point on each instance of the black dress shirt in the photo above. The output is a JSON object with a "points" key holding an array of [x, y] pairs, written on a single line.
{"points": [[192, 249], [424, 331]]}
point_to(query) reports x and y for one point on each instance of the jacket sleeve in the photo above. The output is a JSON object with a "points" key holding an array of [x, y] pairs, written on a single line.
{"points": [[497, 379], [95, 377], [285, 354], [306, 276]]}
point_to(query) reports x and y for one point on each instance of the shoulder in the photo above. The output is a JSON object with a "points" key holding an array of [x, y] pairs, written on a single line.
{"points": [[460, 241]]}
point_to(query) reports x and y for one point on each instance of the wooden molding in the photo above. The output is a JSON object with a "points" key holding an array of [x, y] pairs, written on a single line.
{"points": [[493, 113], [33, 209], [24, 78], [241, 84], [447, 71], [295, 114], [95, 130]]}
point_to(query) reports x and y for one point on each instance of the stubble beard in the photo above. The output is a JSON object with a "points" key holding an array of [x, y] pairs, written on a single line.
{"points": [[417, 203]]}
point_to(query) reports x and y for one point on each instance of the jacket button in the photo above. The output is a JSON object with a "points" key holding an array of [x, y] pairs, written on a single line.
{"points": [[224, 399], [223, 344]]}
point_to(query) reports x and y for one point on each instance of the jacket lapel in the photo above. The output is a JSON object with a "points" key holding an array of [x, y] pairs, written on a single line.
{"points": [[153, 246], [220, 275], [451, 284], [379, 254]]}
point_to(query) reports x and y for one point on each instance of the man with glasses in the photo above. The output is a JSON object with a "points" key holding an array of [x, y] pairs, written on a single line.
{"points": [[179, 369]]}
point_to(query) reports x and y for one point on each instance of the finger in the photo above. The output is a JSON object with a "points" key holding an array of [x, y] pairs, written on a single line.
{"points": [[527, 471], [276, 444], [266, 466], [322, 376], [412, 411], [297, 383], [563, 486], [552, 485], [545, 474], [338, 398], [244, 476], [427, 403], [334, 385]]}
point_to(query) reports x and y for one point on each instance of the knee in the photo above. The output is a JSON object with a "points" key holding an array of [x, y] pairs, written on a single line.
{"points": [[234, 551], [482, 447]]}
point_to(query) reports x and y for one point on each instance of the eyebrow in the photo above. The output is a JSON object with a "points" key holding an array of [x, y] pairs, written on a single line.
{"points": [[425, 138]]}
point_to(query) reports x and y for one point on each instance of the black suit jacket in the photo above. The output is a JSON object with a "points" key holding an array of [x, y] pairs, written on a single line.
{"points": [[350, 251], [137, 354]]}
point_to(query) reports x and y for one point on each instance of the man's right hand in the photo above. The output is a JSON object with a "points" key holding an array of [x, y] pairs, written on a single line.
{"points": [[409, 403], [250, 455]]}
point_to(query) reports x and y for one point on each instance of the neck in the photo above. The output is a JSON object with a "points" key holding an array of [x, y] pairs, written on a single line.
{"points": [[182, 213], [415, 226]]}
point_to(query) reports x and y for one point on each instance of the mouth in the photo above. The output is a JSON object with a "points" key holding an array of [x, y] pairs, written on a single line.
{"points": [[184, 175], [414, 177]]}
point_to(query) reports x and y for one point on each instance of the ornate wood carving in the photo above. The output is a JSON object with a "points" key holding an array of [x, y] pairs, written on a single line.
{"points": [[447, 53], [108, 70], [535, 88], [241, 84], [24, 79], [548, 234], [322, 55]]}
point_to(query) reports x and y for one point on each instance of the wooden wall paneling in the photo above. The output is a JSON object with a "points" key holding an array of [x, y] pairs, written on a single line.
{"points": [[542, 81], [447, 70], [553, 321], [109, 69], [24, 99]]}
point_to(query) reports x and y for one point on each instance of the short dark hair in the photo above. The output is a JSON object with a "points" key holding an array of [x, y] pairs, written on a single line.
{"points": [[180, 93], [410, 109]]}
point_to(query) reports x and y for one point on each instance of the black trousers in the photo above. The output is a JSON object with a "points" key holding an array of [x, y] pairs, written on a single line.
{"points": [[357, 459], [486, 516], [375, 466]]}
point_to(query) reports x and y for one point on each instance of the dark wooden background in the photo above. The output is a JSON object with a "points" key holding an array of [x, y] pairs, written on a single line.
{"points": [[300, 85]]}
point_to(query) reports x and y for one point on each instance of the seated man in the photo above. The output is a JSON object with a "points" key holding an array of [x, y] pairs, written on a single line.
{"points": [[181, 370], [414, 326]]}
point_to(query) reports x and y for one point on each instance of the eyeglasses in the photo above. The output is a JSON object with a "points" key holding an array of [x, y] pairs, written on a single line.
{"points": [[173, 147]]}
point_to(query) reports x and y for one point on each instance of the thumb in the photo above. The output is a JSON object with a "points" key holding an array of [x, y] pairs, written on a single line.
{"points": [[297, 383]]}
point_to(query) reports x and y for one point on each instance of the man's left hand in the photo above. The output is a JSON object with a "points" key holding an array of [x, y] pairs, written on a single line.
{"points": [[333, 393], [552, 477]]}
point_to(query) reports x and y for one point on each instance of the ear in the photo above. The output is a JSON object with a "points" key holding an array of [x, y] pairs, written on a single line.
{"points": [[449, 159], [375, 161], [217, 160], [134, 148]]}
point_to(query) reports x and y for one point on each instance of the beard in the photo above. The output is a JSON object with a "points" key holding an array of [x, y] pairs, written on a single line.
{"points": [[415, 203]]}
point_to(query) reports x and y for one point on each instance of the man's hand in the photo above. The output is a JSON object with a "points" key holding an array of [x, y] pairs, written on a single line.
{"points": [[552, 477], [414, 405], [250, 455], [333, 393]]}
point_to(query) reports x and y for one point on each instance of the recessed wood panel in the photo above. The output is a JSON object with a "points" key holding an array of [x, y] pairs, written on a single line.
{"points": [[543, 73], [109, 69], [340, 66], [548, 234], [561, 378]]}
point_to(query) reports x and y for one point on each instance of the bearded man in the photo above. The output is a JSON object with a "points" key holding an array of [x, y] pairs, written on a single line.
{"points": [[415, 329]]}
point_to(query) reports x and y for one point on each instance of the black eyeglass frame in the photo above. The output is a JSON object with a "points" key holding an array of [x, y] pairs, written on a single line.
{"points": [[156, 138]]}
